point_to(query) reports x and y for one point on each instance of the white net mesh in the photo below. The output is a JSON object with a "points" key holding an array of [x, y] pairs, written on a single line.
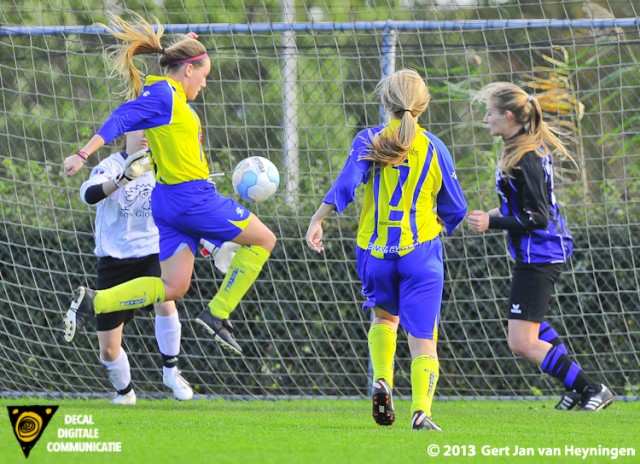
{"points": [[297, 95]]}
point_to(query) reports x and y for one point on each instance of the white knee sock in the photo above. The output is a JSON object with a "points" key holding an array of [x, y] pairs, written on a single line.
{"points": [[168, 334], [168, 330], [119, 371]]}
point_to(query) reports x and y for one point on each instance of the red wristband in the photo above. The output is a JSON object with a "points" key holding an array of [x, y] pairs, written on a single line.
{"points": [[82, 155]]}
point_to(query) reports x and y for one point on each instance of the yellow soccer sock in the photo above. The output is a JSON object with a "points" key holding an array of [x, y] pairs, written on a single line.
{"points": [[133, 294], [243, 272], [424, 378], [382, 349]]}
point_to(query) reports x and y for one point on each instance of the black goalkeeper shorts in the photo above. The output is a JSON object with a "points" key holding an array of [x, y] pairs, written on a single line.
{"points": [[111, 272], [531, 290]]}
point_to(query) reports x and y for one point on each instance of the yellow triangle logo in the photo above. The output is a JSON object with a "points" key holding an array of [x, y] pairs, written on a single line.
{"points": [[28, 423]]}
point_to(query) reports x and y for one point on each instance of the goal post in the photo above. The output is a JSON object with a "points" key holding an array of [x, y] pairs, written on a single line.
{"points": [[301, 326]]}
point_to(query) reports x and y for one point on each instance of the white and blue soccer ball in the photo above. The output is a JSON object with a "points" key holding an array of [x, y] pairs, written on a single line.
{"points": [[255, 179]]}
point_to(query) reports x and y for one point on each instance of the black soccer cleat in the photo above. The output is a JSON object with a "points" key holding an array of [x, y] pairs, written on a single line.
{"points": [[593, 400], [79, 313], [383, 412], [420, 421], [570, 399], [221, 329]]}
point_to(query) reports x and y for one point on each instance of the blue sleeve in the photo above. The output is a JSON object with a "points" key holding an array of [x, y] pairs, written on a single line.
{"points": [[450, 202], [152, 108], [354, 173]]}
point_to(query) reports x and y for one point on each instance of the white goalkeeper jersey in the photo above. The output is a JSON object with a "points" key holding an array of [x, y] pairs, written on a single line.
{"points": [[124, 227]]}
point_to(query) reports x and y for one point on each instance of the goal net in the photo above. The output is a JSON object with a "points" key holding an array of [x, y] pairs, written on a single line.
{"points": [[294, 83]]}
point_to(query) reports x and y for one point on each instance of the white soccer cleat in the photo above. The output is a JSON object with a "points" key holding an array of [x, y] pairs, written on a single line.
{"points": [[128, 399], [181, 389]]}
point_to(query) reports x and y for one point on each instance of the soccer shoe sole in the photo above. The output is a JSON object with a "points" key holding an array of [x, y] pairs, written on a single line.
{"points": [[605, 405], [70, 318], [221, 341], [383, 414]]}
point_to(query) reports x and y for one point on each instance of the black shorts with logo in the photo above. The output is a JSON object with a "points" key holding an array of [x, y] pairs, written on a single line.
{"points": [[531, 290], [111, 272]]}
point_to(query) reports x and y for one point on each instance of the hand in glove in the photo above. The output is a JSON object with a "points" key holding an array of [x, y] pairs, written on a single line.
{"points": [[221, 255], [136, 165]]}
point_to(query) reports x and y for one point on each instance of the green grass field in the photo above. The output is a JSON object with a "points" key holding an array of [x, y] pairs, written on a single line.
{"points": [[325, 431]]}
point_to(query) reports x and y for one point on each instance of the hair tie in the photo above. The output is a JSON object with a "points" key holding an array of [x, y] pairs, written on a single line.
{"points": [[406, 111], [162, 51], [189, 60], [530, 99]]}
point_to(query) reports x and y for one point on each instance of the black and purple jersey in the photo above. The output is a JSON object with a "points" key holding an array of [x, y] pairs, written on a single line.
{"points": [[530, 214]]}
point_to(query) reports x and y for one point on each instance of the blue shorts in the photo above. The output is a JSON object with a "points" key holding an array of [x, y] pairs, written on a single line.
{"points": [[409, 286], [187, 212]]}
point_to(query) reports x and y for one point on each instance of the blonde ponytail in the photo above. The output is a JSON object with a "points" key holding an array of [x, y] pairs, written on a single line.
{"points": [[527, 110], [405, 96]]}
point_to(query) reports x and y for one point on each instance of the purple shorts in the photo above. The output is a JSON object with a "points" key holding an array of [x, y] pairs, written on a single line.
{"points": [[187, 212], [409, 286]]}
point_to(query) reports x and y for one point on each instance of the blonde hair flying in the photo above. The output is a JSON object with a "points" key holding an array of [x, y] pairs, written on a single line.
{"points": [[139, 37], [526, 110]]}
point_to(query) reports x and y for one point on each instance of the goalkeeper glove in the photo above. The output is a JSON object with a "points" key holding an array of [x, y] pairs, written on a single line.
{"points": [[136, 165], [221, 255]]}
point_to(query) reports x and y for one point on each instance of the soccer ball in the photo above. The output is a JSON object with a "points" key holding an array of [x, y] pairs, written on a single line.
{"points": [[255, 179]]}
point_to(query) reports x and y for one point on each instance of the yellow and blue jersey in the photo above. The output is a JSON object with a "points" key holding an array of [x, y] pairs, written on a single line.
{"points": [[402, 203], [171, 127]]}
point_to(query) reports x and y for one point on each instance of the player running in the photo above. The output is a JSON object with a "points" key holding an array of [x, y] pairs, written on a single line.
{"points": [[538, 238], [410, 193]]}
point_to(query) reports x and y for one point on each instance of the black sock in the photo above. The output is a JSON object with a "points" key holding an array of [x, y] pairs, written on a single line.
{"points": [[560, 366], [126, 389], [549, 335], [169, 361]]}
